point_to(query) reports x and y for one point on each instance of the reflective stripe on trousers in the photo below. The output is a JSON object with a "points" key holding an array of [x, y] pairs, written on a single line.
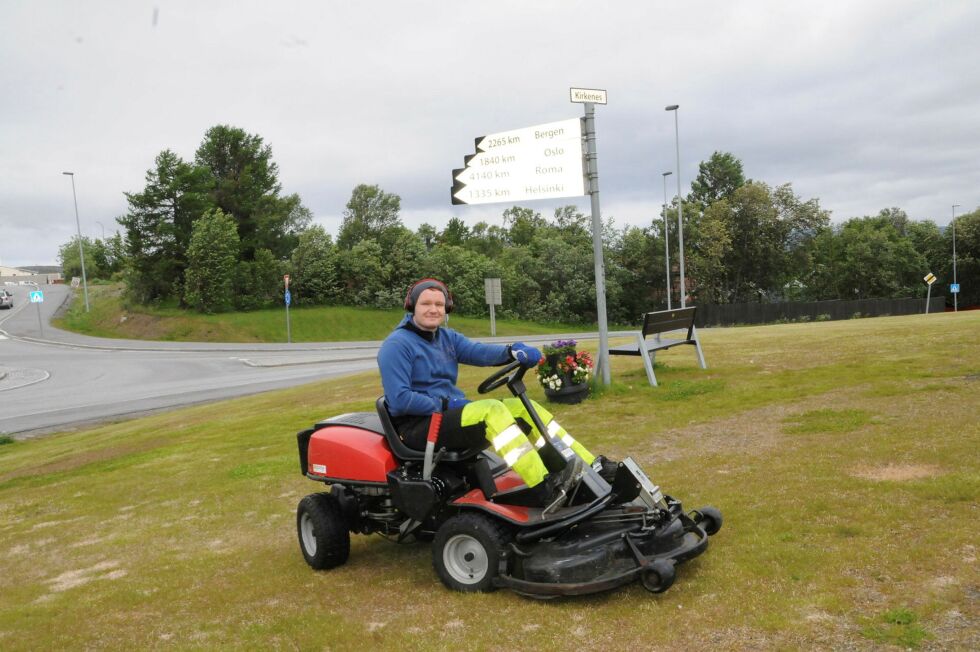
{"points": [[507, 438], [516, 408]]}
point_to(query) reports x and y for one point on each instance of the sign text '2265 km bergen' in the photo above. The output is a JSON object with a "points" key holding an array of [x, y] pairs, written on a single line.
{"points": [[540, 162]]}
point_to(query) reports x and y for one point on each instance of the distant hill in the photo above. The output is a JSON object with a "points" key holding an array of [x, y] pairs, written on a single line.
{"points": [[41, 269]]}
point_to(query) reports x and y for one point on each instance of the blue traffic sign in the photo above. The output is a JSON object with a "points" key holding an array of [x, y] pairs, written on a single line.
{"points": [[289, 297], [37, 296], [954, 288]]}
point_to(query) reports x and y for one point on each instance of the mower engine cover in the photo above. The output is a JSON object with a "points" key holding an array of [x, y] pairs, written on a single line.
{"points": [[341, 452]]}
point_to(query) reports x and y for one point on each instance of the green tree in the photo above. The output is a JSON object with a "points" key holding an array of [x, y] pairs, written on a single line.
{"points": [[455, 234], [244, 184], [637, 261], [371, 213], [158, 226], [750, 246], [718, 178], [871, 259], [927, 239], [402, 268], [428, 234], [362, 272], [259, 282], [522, 224], [487, 239], [95, 260], [212, 261], [314, 274]]}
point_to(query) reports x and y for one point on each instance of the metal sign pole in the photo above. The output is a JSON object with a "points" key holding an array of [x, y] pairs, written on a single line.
{"points": [[928, 297], [289, 334], [493, 322], [600, 275], [40, 324], [956, 302]]}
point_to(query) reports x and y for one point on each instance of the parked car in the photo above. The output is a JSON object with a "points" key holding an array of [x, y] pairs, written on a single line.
{"points": [[6, 299]]}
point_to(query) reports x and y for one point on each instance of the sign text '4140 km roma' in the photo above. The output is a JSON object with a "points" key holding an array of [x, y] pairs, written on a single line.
{"points": [[540, 162]]}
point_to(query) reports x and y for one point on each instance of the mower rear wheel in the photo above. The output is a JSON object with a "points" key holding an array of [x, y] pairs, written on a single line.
{"points": [[467, 550], [322, 530]]}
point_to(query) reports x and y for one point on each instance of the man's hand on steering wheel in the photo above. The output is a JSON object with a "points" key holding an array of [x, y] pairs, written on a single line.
{"points": [[528, 356]]}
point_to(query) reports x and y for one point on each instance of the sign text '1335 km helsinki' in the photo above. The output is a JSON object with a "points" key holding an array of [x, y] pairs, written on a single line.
{"points": [[540, 162]]}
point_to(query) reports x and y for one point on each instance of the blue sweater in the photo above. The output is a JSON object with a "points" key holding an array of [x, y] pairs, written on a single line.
{"points": [[418, 373]]}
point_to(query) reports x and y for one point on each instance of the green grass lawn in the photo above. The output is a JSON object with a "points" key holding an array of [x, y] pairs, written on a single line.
{"points": [[110, 317], [842, 454]]}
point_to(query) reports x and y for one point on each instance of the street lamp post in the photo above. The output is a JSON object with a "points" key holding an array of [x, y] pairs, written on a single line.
{"points": [[667, 240], [956, 307], [103, 229], [680, 201], [78, 225]]}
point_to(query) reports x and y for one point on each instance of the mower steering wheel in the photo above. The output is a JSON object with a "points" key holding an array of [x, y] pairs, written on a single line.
{"points": [[512, 371]]}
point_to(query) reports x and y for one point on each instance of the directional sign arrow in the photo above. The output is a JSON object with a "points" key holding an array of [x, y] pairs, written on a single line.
{"points": [[537, 135], [540, 162]]}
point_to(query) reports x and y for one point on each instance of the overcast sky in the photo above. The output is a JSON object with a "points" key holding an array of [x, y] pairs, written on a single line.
{"points": [[863, 105]]}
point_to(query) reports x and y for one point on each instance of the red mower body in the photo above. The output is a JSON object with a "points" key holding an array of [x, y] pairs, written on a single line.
{"points": [[349, 453]]}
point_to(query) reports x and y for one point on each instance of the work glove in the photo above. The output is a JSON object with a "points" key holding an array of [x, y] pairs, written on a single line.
{"points": [[456, 402], [528, 356]]}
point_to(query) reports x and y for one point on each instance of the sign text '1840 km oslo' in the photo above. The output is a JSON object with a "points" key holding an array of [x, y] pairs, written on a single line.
{"points": [[540, 162]]}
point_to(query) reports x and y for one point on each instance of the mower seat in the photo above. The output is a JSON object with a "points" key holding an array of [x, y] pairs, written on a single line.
{"points": [[405, 453]]}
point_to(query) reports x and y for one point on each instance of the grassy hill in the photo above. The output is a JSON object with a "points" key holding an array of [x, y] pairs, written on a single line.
{"points": [[111, 317], [842, 454]]}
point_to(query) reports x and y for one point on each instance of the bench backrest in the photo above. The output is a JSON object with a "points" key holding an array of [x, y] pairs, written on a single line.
{"points": [[669, 320]]}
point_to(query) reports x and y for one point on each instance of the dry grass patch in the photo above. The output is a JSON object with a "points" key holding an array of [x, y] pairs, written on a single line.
{"points": [[896, 472]]}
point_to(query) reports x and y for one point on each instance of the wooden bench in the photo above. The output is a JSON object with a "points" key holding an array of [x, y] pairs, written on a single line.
{"points": [[656, 324]]}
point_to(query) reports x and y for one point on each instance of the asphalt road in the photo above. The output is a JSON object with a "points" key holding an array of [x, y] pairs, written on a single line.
{"points": [[53, 380]]}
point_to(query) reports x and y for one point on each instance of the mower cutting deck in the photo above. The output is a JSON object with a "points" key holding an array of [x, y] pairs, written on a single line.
{"points": [[487, 532]]}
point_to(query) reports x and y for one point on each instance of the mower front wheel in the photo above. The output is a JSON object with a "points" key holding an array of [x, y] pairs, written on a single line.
{"points": [[658, 576], [467, 550], [709, 518], [322, 529]]}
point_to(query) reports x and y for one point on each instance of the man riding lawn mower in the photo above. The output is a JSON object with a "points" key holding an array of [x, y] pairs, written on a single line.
{"points": [[540, 515]]}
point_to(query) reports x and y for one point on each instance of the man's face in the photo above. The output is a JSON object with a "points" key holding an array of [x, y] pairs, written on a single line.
{"points": [[430, 309]]}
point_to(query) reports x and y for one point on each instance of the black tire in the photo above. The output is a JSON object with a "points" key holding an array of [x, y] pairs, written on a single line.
{"points": [[658, 576], [467, 550], [709, 518], [322, 529]]}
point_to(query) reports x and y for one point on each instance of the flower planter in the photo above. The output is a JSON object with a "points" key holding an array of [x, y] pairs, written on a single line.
{"points": [[564, 372], [568, 394]]}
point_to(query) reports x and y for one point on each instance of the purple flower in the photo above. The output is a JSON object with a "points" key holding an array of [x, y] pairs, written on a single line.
{"points": [[561, 344]]}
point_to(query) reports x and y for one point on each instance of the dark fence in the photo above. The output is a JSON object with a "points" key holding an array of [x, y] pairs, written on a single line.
{"points": [[766, 313]]}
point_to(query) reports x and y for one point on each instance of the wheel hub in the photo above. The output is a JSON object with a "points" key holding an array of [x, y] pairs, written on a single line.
{"points": [[466, 559], [306, 532]]}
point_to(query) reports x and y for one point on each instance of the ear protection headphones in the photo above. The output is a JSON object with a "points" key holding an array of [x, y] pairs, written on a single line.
{"points": [[421, 286]]}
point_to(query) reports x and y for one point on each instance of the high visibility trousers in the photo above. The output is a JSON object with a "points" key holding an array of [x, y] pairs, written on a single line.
{"points": [[517, 410], [510, 442]]}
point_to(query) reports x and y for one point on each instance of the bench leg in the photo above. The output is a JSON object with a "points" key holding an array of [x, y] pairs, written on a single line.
{"points": [[647, 359], [697, 347]]}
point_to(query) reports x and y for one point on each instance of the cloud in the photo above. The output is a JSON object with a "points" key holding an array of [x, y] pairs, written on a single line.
{"points": [[862, 105]]}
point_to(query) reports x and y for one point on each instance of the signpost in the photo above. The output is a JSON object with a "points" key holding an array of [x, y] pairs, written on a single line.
{"points": [[539, 162], [37, 297], [289, 299], [491, 288], [929, 278], [590, 97]]}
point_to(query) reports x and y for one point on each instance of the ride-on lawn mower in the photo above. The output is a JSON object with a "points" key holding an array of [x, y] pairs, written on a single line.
{"points": [[488, 530]]}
